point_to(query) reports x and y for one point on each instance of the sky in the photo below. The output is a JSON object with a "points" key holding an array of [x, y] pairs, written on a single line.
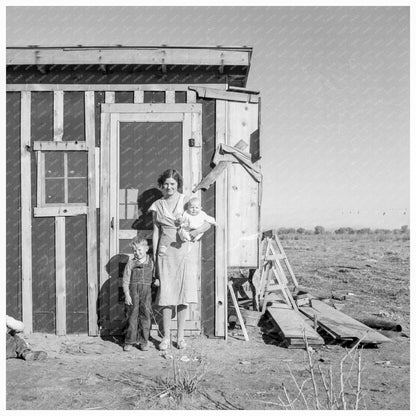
{"points": [[334, 85]]}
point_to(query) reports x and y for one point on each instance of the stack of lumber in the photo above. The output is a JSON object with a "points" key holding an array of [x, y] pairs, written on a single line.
{"points": [[291, 327], [339, 326]]}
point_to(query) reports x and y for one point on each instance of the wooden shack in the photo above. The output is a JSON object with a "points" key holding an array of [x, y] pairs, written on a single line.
{"points": [[89, 130]]}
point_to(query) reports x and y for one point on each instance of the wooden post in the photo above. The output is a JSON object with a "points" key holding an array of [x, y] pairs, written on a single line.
{"points": [[138, 97], [170, 97], [91, 214], [190, 96], [195, 157], [26, 212], [221, 278], [60, 260], [60, 266], [58, 115], [237, 309], [104, 198]]}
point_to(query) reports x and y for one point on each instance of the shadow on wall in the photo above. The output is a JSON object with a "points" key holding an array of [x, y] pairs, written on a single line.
{"points": [[144, 201], [111, 312]]}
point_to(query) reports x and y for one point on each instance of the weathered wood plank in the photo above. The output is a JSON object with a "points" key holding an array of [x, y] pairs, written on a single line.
{"points": [[217, 94], [137, 88], [60, 211], [60, 267], [151, 117], [92, 248], [221, 307], [190, 96], [292, 325], [342, 325], [243, 198], [286, 261], [186, 154], [58, 115], [116, 309], [151, 108], [133, 56], [57, 146], [104, 195], [26, 211], [195, 160], [138, 97], [221, 166], [170, 97], [237, 310]]}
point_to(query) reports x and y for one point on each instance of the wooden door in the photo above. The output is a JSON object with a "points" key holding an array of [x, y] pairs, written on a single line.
{"points": [[143, 141]]}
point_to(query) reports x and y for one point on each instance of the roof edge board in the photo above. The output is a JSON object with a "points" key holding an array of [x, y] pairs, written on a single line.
{"points": [[135, 56]]}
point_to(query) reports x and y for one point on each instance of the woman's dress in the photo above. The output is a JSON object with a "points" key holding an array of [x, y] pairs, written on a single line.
{"points": [[176, 260]]}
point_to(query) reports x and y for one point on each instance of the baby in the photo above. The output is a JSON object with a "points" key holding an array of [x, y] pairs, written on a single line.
{"points": [[192, 219]]}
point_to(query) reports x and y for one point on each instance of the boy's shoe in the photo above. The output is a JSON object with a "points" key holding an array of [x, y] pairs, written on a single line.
{"points": [[30, 355], [143, 347], [127, 347], [181, 344], [164, 344]]}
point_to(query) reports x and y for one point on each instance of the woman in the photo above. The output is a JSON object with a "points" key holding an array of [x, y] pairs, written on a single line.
{"points": [[176, 260]]}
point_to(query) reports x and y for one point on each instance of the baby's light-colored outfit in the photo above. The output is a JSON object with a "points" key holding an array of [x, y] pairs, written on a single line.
{"points": [[191, 222]]}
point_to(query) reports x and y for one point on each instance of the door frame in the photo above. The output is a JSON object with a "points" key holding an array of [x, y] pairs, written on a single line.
{"points": [[111, 116]]}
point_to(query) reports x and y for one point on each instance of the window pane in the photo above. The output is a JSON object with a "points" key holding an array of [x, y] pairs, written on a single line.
{"points": [[77, 191], [54, 164], [54, 191], [77, 164]]}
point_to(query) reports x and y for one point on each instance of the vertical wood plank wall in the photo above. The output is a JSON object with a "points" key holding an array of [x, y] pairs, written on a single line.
{"points": [[26, 212], [193, 163]]}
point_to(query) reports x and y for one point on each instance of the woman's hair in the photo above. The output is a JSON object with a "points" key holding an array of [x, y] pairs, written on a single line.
{"points": [[170, 173]]}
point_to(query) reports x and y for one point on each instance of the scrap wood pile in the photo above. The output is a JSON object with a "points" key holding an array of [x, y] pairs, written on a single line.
{"points": [[290, 316]]}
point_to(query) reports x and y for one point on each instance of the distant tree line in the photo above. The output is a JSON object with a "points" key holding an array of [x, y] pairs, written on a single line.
{"points": [[342, 230]]}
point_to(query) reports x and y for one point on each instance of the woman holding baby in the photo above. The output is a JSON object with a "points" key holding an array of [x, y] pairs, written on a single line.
{"points": [[176, 259]]}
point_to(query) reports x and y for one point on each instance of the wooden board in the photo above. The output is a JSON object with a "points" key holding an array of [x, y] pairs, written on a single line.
{"points": [[92, 246], [137, 88], [221, 232], [60, 266], [340, 324], [26, 212], [243, 191], [292, 326], [126, 55]]}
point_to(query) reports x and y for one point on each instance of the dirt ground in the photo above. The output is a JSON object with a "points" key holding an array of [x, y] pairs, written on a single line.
{"points": [[373, 271]]}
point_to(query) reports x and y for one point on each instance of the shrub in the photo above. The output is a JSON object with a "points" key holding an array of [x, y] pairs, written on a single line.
{"points": [[300, 230], [364, 231], [404, 229], [319, 229]]}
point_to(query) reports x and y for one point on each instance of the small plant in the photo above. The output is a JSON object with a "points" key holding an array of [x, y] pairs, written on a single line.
{"points": [[330, 390], [319, 229], [184, 377]]}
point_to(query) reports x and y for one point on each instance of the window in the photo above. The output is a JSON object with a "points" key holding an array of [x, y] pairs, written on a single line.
{"points": [[65, 178], [62, 178]]}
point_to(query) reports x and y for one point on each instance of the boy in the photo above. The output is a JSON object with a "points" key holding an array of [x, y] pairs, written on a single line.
{"points": [[137, 282], [192, 219]]}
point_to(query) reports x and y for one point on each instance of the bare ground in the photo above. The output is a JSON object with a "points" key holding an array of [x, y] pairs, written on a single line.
{"points": [[91, 373]]}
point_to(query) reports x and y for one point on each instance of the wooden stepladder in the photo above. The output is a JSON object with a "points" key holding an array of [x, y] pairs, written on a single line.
{"points": [[273, 278]]}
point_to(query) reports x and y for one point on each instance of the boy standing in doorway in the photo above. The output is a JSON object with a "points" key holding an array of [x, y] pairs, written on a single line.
{"points": [[137, 282]]}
